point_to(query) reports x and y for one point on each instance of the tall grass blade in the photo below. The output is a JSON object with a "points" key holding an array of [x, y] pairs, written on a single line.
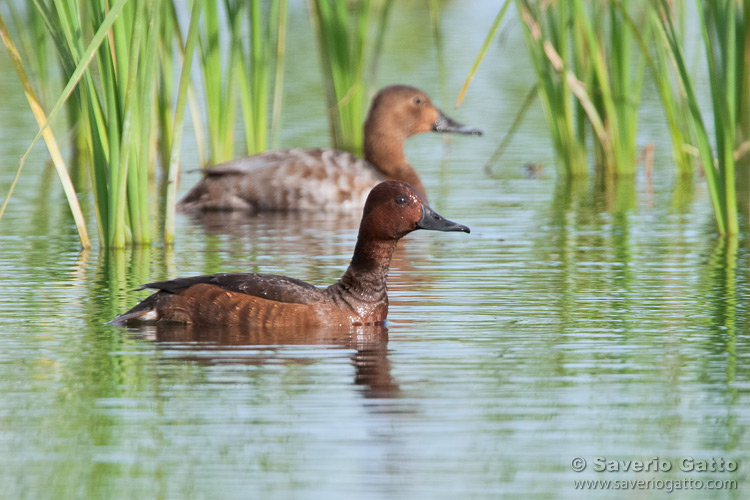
{"points": [[260, 62], [49, 139], [86, 57], [547, 36], [166, 59], [743, 74], [34, 48], [218, 81], [483, 51], [672, 96], [145, 147], [169, 30], [342, 30], [278, 81], [377, 46], [126, 171], [240, 63], [173, 173], [588, 77], [668, 31]]}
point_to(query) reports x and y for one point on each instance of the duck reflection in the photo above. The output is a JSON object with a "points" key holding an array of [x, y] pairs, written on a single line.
{"points": [[369, 343]]}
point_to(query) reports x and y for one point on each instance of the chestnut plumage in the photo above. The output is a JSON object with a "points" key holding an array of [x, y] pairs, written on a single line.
{"points": [[393, 210]]}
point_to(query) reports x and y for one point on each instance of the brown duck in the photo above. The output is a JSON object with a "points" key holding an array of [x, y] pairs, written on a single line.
{"points": [[393, 210], [327, 179]]}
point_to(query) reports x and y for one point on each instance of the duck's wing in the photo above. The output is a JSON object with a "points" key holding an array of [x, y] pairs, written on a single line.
{"points": [[285, 180], [178, 297], [265, 286]]}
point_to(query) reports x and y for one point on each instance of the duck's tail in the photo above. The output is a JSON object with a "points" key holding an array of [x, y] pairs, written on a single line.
{"points": [[143, 311]]}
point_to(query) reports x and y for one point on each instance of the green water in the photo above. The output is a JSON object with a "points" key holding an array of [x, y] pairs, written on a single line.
{"points": [[572, 322]]}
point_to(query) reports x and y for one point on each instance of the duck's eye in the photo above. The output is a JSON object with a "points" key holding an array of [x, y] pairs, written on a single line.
{"points": [[401, 200], [417, 100]]}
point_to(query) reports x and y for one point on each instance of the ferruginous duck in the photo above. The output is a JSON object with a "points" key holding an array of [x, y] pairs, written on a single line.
{"points": [[327, 179], [393, 210]]}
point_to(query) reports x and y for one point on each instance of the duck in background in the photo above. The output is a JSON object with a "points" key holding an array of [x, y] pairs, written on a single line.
{"points": [[393, 210], [327, 179]]}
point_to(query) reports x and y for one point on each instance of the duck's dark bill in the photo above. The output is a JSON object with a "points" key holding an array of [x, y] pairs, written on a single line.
{"points": [[447, 124], [435, 222]]}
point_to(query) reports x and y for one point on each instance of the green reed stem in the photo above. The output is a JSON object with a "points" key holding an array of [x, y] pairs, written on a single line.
{"points": [[85, 59], [167, 31], [63, 23], [672, 95], [547, 40], [715, 178], [191, 40], [218, 82], [260, 64], [34, 48], [278, 80], [588, 76], [342, 30], [482, 51], [49, 139]]}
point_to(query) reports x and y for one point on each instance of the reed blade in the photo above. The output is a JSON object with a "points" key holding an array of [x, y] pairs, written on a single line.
{"points": [[49, 139], [482, 52], [173, 173]]}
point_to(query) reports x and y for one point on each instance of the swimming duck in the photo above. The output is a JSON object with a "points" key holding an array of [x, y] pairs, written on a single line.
{"points": [[393, 209], [326, 179]]}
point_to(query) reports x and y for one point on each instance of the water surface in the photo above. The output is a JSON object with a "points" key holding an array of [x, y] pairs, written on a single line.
{"points": [[572, 322]]}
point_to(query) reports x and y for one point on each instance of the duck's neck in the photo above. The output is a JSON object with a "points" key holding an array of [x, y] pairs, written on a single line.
{"points": [[384, 150], [364, 282]]}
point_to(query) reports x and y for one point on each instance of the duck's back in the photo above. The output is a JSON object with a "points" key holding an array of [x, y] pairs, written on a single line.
{"points": [[287, 180]]}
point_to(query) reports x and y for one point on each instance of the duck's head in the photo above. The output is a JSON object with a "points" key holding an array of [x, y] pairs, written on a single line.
{"points": [[394, 209], [408, 110]]}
